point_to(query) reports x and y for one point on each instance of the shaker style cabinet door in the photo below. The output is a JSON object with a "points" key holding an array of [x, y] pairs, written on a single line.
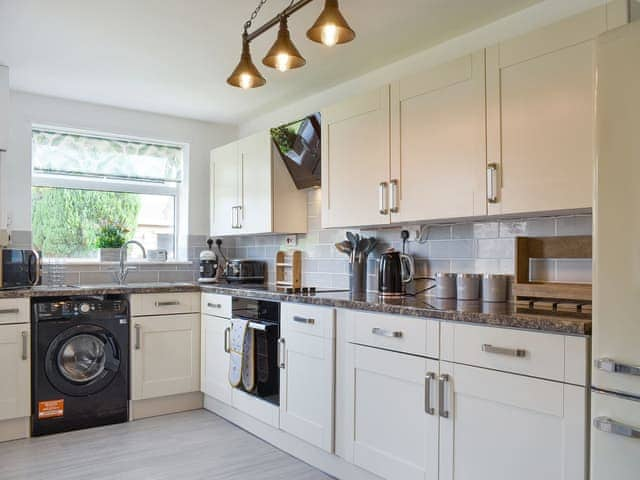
{"points": [[355, 161], [540, 117], [214, 373], [15, 371], [501, 426], [225, 188], [438, 142], [165, 355], [255, 185]]}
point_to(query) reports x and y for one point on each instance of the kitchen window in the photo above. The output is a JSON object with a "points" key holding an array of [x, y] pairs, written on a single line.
{"points": [[84, 185]]}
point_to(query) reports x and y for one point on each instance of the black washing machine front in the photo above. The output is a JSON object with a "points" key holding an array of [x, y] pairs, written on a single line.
{"points": [[80, 364]]}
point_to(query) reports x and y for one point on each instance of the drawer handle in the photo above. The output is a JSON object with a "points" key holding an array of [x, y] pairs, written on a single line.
{"points": [[308, 321], [427, 393], [171, 303], [611, 366], [227, 340], [281, 345], [25, 336], [605, 424], [444, 378], [214, 305], [386, 333], [510, 352], [137, 327], [9, 311]]}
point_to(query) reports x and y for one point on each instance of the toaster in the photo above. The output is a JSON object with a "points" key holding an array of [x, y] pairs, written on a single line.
{"points": [[246, 271]]}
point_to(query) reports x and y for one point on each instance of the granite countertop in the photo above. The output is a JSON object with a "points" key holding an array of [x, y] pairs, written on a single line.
{"points": [[506, 315]]}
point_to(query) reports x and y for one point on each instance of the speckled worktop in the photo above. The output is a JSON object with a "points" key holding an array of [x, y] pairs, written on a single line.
{"points": [[506, 315]]}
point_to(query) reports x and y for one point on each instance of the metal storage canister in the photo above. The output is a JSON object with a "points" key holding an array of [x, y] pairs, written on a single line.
{"points": [[445, 285], [468, 286], [494, 288]]}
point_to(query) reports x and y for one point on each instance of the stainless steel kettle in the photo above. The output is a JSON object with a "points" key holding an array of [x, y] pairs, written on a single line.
{"points": [[395, 271]]}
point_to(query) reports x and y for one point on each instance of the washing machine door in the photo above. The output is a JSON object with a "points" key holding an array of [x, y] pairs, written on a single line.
{"points": [[82, 360]]}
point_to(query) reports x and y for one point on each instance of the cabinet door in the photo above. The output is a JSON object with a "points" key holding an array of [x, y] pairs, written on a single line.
{"points": [[393, 433], [438, 142], [4, 108], [214, 379], [355, 161], [308, 377], [225, 178], [501, 426], [15, 371], [256, 205], [540, 116], [165, 355]]}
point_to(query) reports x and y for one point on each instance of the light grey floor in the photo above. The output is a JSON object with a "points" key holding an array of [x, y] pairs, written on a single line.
{"points": [[183, 446]]}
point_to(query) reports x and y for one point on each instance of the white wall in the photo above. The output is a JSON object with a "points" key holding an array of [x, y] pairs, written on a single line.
{"points": [[536, 16], [27, 109]]}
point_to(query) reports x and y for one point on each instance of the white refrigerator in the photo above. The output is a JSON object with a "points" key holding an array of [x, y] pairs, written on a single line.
{"points": [[615, 395]]}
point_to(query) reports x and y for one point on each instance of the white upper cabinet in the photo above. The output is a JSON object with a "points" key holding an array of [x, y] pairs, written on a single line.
{"points": [[438, 154], [252, 191], [540, 116], [4, 108], [355, 161]]}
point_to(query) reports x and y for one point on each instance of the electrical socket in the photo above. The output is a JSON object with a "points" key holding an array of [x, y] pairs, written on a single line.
{"points": [[291, 240]]}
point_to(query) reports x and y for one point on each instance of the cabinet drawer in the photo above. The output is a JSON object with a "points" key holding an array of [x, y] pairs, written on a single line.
{"points": [[310, 320], [14, 310], [394, 332], [216, 305], [528, 353], [165, 303]]}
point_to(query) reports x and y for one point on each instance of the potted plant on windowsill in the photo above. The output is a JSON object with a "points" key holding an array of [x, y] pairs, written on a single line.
{"points": [[109, 240]]}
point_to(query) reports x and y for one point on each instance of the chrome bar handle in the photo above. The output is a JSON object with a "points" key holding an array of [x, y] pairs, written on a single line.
{"points": [[386, 333], [171, 303], [510, 352], [394, 196], [607, 425], [427, 393], [257, 326], [239, 215], [281, 344], [442, 379], [382, 198], [9, 311], [137, 327], [25, 337], [214, 305], [308, 321], [611, 366], [227, 340], [492, 183], [36, 255]]}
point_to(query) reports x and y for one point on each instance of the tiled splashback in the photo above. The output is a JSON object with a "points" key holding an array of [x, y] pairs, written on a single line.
{"points": [[475, 247]]}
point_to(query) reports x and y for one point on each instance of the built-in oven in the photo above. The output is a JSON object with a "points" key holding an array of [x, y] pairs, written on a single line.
{"points": [[263, 317]]}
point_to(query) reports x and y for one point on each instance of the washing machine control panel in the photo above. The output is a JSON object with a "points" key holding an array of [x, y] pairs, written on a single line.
{"points": [[73, 307]]}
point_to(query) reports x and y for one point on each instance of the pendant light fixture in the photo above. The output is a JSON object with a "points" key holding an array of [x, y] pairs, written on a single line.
{"points": [[329, 29], [283, 55], [246, 75]]}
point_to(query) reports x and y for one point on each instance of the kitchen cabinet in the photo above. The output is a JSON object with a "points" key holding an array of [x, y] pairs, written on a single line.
{"points": [[15, 370], [540, 116], [307, 376], [499, 426], [4, 108], [355, 161], [252, 191], [438, 154], [215, 331]]}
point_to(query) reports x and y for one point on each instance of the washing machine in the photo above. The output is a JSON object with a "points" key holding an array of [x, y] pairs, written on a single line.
{"points": [[80, 362]]}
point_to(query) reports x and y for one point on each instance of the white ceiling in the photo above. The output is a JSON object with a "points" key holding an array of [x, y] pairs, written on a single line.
{"points": [[173, 56]]}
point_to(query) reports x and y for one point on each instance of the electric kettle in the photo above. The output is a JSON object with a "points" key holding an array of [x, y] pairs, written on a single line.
{"points": [[395, 271]]}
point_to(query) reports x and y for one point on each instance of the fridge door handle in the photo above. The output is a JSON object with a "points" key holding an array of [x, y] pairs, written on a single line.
{"points": [[607, 425], [611, 366]]}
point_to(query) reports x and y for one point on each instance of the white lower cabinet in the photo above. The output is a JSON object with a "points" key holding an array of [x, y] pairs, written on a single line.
{"points": [[307, 375], [15, 371], [215, 358], [501, 426], [165, 355]]}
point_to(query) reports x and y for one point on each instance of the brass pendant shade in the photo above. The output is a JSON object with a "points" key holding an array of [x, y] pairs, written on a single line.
{"points": [[283, 55], [331, 28], [246, 75]]}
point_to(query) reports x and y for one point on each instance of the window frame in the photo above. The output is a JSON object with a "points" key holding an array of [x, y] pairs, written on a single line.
{"points": [[178, 190]]}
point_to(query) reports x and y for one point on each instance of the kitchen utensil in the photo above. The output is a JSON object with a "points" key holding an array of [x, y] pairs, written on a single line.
{"points": [[395, 270], [494, 288], [344, 247], [468, 286], [445, 285]]}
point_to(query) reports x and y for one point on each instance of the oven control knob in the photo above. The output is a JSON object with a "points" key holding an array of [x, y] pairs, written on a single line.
{"points": [[84, 308]]}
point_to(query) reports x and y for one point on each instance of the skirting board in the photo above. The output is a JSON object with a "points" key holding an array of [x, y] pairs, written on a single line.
{"points": [[328, 463], [153, 407], [14, 429]]}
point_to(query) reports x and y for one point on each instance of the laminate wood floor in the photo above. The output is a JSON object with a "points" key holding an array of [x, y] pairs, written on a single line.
{"points": [[182, 446]]}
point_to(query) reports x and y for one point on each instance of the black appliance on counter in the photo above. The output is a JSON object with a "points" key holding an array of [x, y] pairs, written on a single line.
{"points": [[80, 362], [395, 271], [264, 320], [246, 271], [19, 268]]}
